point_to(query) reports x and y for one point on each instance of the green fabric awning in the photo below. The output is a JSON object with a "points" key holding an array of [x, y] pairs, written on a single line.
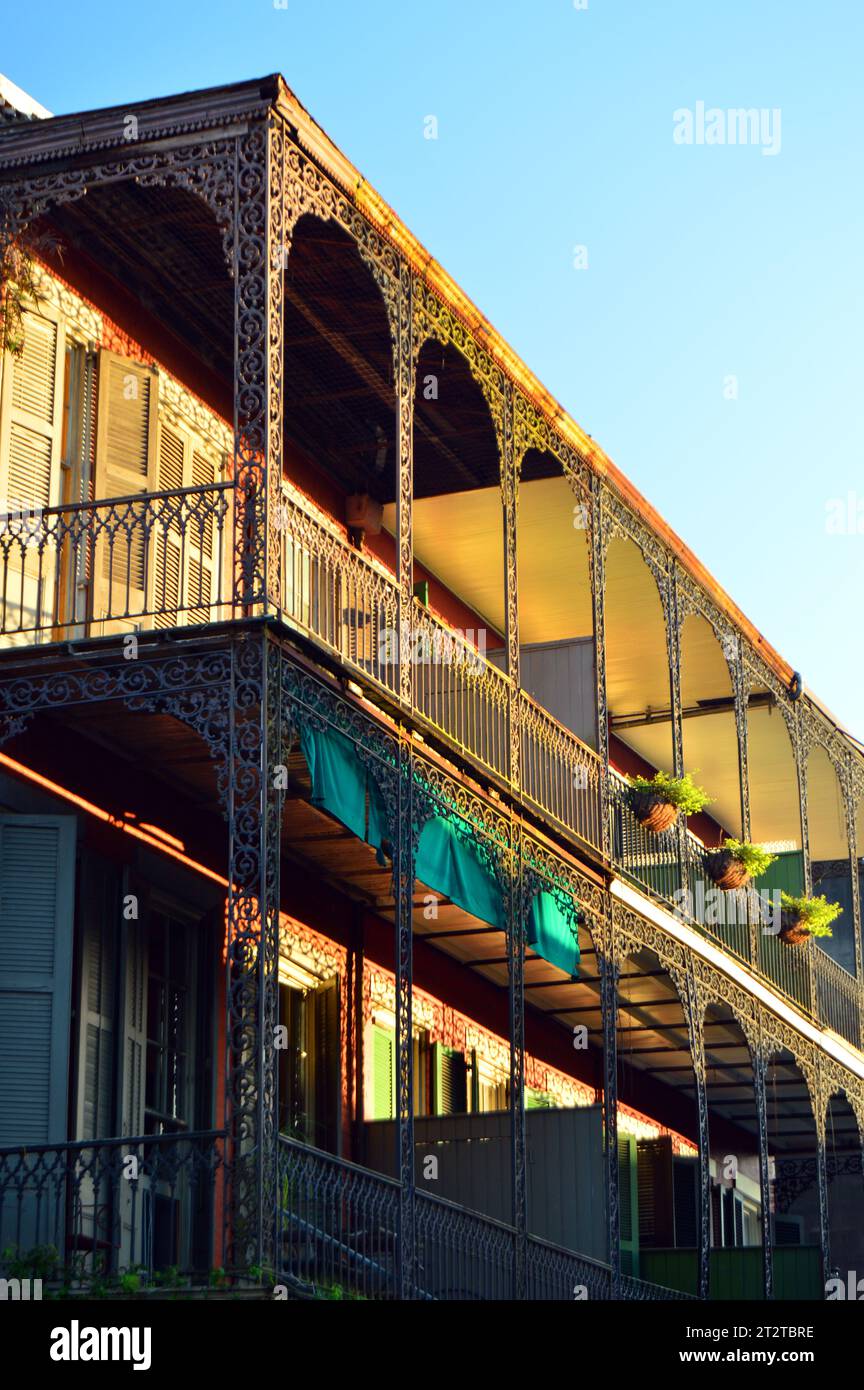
{"points": [[341, 783], [451, 866], [553, 933]]}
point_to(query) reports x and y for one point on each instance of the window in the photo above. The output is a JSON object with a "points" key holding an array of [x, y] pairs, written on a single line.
{"points": [[490, 1087], [309, 1063], [167, 1092]]}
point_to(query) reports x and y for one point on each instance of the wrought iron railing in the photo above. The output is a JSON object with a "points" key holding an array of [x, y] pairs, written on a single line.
{"points": [[559, 773], [745, 923], [339, 1233], [338, 595], [93, 1209], [94, 568], [338, 1224], [459, 691], [165, 558]]}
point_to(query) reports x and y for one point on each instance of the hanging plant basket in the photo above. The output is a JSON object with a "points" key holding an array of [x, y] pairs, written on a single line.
{"points": [[725, 871], [652, 812], [793, 932]]}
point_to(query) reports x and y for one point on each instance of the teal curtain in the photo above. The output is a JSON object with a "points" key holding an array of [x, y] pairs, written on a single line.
{"points": [[450, 865], [553, 933], [341, 784]]}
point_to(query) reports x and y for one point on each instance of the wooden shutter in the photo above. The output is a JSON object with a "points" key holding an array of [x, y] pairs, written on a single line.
{"points": [[167, 536], [135, 1025], [185, 559], [656, 1209], [31, 429], [383, 1074], [628, 1196], [685, 1179], [37, 877], [100, 921], [327, 1065], [125, 466], [451, 1080]]}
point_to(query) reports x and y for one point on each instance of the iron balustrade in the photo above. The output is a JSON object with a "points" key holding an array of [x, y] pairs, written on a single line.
{"points": [[110, 1206], [338, 595], [162, 559], [559, 773], [459, 691], [338, 1224], [555, 1275], [650, 860], [744, 922], [95, 568], [339, 1231]]}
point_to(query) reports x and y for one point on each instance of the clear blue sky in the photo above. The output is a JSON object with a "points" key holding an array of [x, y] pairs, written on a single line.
{"points": [[555, 129]]}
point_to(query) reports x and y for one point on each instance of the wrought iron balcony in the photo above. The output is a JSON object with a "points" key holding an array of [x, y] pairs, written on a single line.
{"points": [[339, 1227], [670, 867], [88, 1212], [163, 559]]}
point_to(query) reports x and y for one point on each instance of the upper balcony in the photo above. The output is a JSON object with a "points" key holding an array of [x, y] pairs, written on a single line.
{"points": [[314, 426]]}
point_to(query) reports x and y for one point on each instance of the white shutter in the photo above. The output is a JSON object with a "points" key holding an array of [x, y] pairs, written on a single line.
{"points": [[185, 563], [125, 466], [31, 415], [37, 880]]}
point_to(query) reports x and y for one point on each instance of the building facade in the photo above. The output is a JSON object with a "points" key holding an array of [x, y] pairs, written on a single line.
{"points": [[334, 953]]}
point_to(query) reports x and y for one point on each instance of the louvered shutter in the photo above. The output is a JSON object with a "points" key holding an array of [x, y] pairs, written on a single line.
{"points": [[185, 540], [100, 914], [327, 1065], [125, 466], [200, 588], [451, 1080], [628, 1204], [167, 537], [135, 1026], [383, 1074], [30, 443], [685, 1174], [655, 1193], [37, 879]]}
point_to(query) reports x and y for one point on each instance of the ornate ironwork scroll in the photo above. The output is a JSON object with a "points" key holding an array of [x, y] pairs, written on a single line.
{"points": [[252, 953]]}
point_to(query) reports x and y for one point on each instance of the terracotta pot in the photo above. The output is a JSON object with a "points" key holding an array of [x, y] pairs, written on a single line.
{"points": [[792, 933], [652, 811], [725, 870]]}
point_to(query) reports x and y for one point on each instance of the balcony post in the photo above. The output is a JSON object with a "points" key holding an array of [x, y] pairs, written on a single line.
{"points": [[510, 467], [252, 955], [517, 898], [758, 1061], [404, 858], [607, 960], [818, 1098], [259, 255], [673, 642], [695, 1020], [598, 600], [404, 365]]}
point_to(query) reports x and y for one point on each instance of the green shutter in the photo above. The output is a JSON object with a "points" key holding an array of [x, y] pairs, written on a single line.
{"points": [[383, 1074], [628, 1204], [451, 1080], [37, 883]]}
